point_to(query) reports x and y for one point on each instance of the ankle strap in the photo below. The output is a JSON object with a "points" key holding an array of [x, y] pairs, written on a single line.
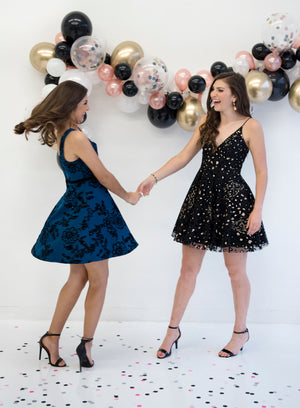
{"points": [[52, 334], [170, 327], [242, 332], [86, 339]]}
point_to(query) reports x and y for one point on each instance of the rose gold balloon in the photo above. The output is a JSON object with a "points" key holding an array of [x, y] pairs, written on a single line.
{"points": [[59, 37], [272, 62], [248, 57], [40, 54], [114, 87], [297, 42], [182, 78], [207, 76], [157, 100], [105, 72]]}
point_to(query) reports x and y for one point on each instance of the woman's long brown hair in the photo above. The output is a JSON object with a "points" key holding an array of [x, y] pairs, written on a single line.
{"points": [[51, 115], [209, 129]]}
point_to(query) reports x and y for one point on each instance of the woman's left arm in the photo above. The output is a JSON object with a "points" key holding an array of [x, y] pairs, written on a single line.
{"points": [[254, 137]]}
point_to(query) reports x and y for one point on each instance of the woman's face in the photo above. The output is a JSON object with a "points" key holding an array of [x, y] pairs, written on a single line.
{"points": [[78, 114], [221, 96]]}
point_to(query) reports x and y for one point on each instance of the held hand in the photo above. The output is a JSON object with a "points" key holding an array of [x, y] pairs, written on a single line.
{"points": [[133, 197], [146, 186], [254, 222]]}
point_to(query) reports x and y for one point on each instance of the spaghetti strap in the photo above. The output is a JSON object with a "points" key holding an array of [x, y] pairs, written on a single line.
{"points": [[246, 121]]}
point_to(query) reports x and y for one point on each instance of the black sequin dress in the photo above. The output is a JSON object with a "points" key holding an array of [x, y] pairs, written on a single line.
{"points": [[216, 209]]}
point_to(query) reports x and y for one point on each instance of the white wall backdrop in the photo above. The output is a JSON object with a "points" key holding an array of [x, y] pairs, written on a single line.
{"points": [[185, 34]]}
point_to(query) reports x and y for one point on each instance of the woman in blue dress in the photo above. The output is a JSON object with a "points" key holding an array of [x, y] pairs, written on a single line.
{"points": [[219, 212], [85, 228]]}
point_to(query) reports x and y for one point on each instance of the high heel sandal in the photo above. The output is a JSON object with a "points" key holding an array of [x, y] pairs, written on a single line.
{"points": [[42, 346], [231, 354], [166, 353], [81, 353]]}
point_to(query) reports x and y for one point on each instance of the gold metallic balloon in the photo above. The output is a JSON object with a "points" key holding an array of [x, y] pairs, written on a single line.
{"points": [[294, 95], [259, 86], [40, 54], [127, 51], [190, 113]]}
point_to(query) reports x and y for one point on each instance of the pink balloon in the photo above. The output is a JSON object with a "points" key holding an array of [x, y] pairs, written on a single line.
{"points": [[105, 72], [248, 57], [207, 76], [59, 37], [157, 100], [182, 78], [272, 62], [114, 87], [297, 42]]}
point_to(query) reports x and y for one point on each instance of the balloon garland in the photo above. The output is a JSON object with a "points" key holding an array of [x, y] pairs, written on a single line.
{"points": [[271, 71]]}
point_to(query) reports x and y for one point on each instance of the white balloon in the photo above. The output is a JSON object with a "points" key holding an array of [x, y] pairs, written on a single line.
{"points": [[241, 66], [143, 98], [93, 77], [77, 76], [47, 89], [128, 104], [56, 67]]}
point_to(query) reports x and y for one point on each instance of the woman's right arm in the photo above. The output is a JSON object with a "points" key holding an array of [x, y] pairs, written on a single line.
{"points": [[81, 147], [175, 163]]}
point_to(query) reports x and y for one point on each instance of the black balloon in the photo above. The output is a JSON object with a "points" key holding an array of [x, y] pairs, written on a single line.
{"points": [[49, 79], [288, 59], [298, 54], [107, 59], [123, 71], [161, 118], [280, 82], [217, 68], [260, 51], [197, 84], [74, 25], [62, 50], [174, 100], [129, 88]]}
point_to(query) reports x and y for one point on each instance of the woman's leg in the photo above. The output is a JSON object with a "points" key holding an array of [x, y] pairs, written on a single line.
{"points": [[191, 263], [97, 276], [236, 265], [67, 299]]}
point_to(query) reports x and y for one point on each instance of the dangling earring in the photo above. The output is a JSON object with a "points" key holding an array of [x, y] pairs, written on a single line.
{"points": [[234, 105]]}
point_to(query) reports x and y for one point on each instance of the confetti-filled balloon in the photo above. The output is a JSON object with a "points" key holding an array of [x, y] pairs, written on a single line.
{"points": [[280, 32], [88, 53], [150, 74]]}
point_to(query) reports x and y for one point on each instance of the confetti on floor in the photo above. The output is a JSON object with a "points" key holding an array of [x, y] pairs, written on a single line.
{"points": [[128, 375]]}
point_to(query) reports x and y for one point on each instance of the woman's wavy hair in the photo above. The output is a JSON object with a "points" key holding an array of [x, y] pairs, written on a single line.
{"points": [[51, 115], [209, 129]]}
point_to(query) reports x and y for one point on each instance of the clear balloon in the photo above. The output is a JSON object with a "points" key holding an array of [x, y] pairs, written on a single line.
{"points": [[272, 62], [114, 87], [280, 32], [106, 72], [181, 78], [247, 56], [157, 100], [77, 76], [88, 53], [143, 98], [56, 67], [150, 74], [207, 76], [241, 66]]}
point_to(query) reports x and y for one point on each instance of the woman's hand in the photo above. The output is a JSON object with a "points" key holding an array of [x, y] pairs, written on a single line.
{"points": [[133, 197], [146, 186], [254, 222]]}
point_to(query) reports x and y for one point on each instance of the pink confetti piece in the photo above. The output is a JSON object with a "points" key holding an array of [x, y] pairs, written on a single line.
{"points": [[31, 392]]}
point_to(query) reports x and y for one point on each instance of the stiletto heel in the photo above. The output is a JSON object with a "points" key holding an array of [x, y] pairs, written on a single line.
{"points": [[166, 353], [230, 352], [42, 346], [81, 353]]}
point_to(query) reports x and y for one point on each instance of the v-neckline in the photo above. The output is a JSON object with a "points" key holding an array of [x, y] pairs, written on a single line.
{"points": [[229, 136]]}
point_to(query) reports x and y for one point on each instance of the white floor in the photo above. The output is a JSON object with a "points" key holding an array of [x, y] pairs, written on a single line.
{"points": [[266, 374]]}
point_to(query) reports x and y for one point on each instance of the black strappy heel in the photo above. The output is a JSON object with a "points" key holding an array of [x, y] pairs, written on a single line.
{"points": [[42, 346], [81, 353], [230, 352], [166, 353]]}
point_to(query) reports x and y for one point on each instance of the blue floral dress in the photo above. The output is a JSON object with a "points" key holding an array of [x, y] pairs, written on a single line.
{"points": [[85, 225]]}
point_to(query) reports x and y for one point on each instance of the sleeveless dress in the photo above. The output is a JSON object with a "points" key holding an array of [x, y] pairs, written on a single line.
{"points": [[85, 225], [216, 209]]}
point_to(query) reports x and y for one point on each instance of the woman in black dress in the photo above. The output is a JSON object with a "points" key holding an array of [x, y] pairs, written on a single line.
{"points": [[219, 212]]}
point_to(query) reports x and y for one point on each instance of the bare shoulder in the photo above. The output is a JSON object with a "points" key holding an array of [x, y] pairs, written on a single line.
{"points": [[76, 136], [251, 130]]}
